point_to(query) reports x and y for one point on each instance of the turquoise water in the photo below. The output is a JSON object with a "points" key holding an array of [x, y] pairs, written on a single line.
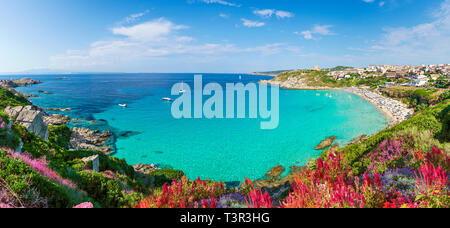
{"points": [[219, 149]]}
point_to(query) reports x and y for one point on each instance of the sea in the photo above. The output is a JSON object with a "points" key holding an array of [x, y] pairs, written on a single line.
{"points": [[228, 150]]}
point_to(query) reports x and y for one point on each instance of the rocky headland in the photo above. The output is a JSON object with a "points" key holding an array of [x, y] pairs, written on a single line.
{"points": [[18, 83]]}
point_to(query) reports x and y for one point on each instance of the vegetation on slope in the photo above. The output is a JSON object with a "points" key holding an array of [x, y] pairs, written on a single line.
{"points": [[314, 78], [8, 98]]}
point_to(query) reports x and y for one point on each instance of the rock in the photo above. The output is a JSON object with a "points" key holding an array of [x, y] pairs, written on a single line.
{"points": [[31, 118], [59, 109], [359, 139], [18, 149], [95, 160], [325, 143], [332, 149], [143, 174], [13, 111], [56, 120], [145, 169], [18, 83], [275, 173], [44, 92], [86, 139], [29, 95]]}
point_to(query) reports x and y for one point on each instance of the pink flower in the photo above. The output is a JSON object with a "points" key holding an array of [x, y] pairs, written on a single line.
{"points": [[41, 166], [84, 205]]}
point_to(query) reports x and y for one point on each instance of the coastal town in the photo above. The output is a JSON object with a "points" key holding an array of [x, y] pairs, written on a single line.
{"points": [[416, 76], [372, 84]]}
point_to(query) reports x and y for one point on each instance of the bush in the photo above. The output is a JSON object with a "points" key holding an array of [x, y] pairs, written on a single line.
{"points": [[108, 192], [164, 176], [24, 182], [73, 159], [59, 135]]}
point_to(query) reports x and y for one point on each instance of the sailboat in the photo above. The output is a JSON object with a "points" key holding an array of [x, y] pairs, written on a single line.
{"points": [[240, 77], [123, 105]]}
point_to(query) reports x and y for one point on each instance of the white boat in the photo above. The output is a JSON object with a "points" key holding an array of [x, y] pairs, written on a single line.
{"points": [[182, 88], [240, 77], [123, 105], [167, 99]]}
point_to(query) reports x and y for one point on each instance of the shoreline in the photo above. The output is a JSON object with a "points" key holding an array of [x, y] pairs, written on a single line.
{"points": [[394, 111]]}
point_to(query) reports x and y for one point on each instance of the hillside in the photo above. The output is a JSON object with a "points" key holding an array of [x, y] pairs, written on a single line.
{"points": [[312, 79]]}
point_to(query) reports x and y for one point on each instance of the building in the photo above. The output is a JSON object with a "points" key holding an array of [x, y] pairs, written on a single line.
{"points": [[391, 75]]}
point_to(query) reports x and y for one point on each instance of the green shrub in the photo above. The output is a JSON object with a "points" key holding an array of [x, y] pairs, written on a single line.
{"points": [[59, 135], [163, 176], [8, 139], [108, 192]]}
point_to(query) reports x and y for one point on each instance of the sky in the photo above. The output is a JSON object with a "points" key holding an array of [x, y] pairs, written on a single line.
{"points": [[220, 36]]}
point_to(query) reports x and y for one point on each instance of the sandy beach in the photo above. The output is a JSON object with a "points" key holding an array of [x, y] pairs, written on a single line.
{"points": [[394, 110]]}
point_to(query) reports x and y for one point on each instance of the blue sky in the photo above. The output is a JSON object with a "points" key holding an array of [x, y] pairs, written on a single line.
{"points": [[220, 35]]}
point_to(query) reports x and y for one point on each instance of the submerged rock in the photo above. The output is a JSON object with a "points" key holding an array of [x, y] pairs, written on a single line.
{"points": [[59, 109], [325, 143]]}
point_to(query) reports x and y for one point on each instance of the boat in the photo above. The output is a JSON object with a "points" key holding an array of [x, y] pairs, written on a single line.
{"points": [[167, 99], [240, 77], [123, 105], [182, 88]]}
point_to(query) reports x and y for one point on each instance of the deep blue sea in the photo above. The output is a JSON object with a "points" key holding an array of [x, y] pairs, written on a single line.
{"points": [[219, 149]]}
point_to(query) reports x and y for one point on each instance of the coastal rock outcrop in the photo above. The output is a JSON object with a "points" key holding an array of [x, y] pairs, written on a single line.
{"points": [[276, 186], [145, 169], [18, 83], [56, 120], [86, 139], [326, 143], [143, 173], [31, 118], [275, 173]]}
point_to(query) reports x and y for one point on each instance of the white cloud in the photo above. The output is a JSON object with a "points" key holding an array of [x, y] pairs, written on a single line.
{"points": [[221, 2], [284, 14], [266, 13], [148, 31], [153, 42], [368, 1], [381, 4], [134, 17], [323, 30], [422, 43], [252, 24], [223, 15]]}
